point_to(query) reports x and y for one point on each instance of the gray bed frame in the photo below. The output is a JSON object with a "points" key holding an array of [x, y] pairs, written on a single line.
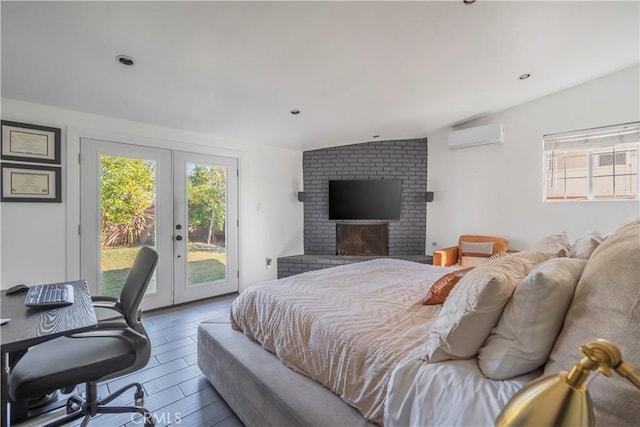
{"points": [[260, 389]]}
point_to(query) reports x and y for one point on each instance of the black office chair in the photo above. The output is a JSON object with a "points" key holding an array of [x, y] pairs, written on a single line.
{"points": [[114, 349], [110, 309]]}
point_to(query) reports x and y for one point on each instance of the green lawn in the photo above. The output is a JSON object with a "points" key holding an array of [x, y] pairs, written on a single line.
{"points": [[203, 266]]}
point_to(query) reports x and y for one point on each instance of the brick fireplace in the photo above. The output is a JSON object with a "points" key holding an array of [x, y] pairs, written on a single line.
{"points": [[330, 243], [404, 160]]}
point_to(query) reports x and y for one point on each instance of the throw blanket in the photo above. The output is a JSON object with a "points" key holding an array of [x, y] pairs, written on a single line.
{"points": [[345, 327]]}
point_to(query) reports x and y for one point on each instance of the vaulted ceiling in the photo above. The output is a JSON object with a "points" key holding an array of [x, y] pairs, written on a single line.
{"points": [[236, 69]]}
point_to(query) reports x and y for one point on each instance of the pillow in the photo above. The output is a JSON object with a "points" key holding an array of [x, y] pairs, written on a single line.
{"points": [[606, 305], [556, 244], [473, 254], [474, 307], [534, 257], [531, 320], [585, 245], [443, 286]]}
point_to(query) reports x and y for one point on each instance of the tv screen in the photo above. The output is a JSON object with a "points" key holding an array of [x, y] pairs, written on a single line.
{"points": [[365, 199]]}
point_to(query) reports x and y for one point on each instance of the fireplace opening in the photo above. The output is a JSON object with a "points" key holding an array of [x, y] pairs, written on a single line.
{"points": [[362, 239]]}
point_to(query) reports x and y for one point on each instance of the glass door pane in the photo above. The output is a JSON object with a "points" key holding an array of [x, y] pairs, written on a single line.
{"points": [[127, 218], [206, 216]]}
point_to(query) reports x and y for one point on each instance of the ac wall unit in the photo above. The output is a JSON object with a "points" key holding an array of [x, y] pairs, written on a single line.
{"points": [[478, 135]]}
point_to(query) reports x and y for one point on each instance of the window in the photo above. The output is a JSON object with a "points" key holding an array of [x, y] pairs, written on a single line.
{"points": [[592, 164]]}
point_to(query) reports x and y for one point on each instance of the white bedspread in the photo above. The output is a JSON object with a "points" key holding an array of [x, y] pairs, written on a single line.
{"points": [[452, 393], [345, 327]]}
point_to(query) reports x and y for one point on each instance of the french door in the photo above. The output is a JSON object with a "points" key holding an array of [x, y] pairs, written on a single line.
{"points": [[184, 205], [206, 226]]}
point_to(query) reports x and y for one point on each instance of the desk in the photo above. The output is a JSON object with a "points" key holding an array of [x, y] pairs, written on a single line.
{"points": [[29, 327]]}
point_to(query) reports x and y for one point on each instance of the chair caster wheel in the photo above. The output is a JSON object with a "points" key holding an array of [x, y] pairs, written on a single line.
{"points": [[74, 404], [71, 408]]}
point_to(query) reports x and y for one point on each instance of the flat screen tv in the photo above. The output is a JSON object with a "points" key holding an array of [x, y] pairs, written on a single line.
{"points": [[377, 199]]}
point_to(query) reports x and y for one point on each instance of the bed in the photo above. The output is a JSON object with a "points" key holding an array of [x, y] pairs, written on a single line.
{"points": [[310, 377], [344, 329]]}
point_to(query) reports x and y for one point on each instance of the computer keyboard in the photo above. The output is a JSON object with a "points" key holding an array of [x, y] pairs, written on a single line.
{"points": [[54, 295]]}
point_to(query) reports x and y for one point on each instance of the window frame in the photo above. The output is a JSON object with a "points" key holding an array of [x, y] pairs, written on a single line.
{"points": [[591, 142]]}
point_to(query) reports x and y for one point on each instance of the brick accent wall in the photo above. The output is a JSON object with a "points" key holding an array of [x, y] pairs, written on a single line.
{"points": [[404, 160]]}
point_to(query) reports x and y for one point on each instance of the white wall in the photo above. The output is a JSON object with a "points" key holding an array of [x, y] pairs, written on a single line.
{"points": [[35, 242], [498, 189]]}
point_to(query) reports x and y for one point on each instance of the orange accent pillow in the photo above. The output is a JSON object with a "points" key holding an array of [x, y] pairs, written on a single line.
{"points": [[440, 289]]}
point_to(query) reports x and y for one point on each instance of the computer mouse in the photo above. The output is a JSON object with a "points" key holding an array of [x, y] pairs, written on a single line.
{"points": [[17, 289]]}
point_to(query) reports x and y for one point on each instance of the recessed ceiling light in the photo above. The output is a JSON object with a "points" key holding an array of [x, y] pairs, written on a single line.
{"points": [[295, 112], [125, 60], [524, 76]]}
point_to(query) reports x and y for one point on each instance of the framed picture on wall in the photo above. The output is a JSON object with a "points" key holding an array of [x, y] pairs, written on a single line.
{"points": [[30, 183], [24, 142]]}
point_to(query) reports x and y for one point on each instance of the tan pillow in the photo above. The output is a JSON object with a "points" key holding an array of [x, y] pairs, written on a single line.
{"points": [[531, 320], [534, 257], [474, 307], [585, 245], [443, 286], [473, 254], [606, 304], [556, 244]]}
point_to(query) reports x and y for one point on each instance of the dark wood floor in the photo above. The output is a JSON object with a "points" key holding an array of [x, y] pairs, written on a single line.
{"points": [[175, 389]]}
